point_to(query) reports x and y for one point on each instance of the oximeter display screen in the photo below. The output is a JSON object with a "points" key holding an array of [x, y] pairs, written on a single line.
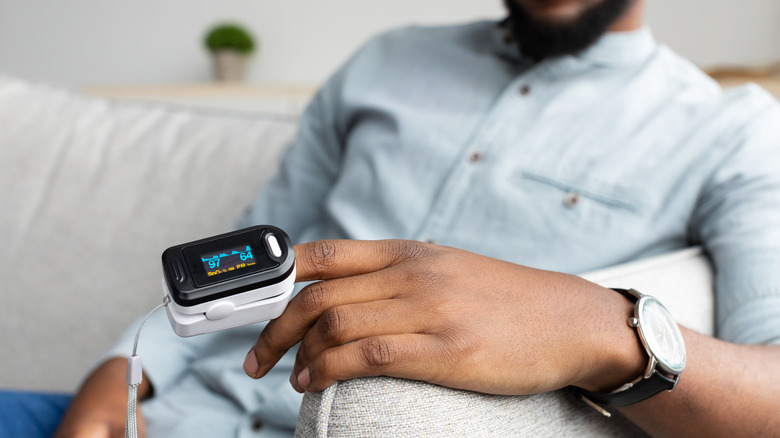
{"points": [[222, 259], [228, 264], [231, 259]]}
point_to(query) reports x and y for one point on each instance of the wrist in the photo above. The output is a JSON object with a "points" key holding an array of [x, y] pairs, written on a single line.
{"points": [[616, 352]]}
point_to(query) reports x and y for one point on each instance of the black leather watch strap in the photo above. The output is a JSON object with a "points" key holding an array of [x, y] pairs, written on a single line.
{"points": [[625, 293], [639, 391]]}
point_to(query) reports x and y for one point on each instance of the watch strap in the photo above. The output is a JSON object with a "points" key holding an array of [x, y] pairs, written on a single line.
{"points": [[637, 392], [626, 293]]}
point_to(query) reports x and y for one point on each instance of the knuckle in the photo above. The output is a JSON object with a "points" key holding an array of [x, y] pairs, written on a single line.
{"points": [[302, 357], [314, 298], [266, 342], [410, 250], [424, 278], [377, 353], [323, 255], [455, 346], [326, 369], [332, 324]]}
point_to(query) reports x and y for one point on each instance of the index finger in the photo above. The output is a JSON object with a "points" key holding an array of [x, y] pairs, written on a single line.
{"points": [[345, 263], [328, 259]]}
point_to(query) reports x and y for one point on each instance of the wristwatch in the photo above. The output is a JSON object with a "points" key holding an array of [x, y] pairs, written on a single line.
{"points": [[663, 342]]}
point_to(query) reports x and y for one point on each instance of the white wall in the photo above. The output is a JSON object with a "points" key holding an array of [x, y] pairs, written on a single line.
{"points": [[79, 42], [159, 41], [715, 33]]}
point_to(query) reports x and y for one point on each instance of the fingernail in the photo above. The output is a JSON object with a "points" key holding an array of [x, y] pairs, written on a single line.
{"points": [[304, 379], [250, 363]]}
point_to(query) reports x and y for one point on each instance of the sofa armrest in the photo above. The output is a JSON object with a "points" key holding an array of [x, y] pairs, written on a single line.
{"points": [[384, 406]]}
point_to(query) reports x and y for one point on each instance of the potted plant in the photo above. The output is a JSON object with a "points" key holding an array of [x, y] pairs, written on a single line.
{"points": [[230, 45]]}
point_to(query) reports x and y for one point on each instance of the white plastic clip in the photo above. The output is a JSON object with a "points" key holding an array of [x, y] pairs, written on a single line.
{"points": [[134, 370]]}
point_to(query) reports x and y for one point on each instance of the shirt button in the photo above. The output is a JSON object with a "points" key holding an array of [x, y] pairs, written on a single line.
{"points": [[571, 199], [525, 89], [476, 157], [257, 425]]}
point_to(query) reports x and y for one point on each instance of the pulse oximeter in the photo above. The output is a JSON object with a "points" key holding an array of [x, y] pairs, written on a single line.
{"points": [[229, 280]]}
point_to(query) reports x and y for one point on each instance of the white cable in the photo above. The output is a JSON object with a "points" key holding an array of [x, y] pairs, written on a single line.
{"points": [[165, 302], [134, 378]]}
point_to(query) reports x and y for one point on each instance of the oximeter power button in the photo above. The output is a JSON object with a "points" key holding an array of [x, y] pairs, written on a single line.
{"points": [[276, 250]]}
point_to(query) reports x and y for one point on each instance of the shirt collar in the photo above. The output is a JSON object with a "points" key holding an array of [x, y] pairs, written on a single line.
{"points": [[613, 49], [620, 49]]}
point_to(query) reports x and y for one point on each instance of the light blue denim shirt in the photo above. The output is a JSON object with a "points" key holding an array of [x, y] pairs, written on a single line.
{"points": [[574, 164]]}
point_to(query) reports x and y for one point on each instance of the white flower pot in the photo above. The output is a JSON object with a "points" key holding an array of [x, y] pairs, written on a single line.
{"points": [[229, 66]]}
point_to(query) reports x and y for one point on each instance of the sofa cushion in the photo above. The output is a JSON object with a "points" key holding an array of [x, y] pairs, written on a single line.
{"points": [[389, 407], [92, 192], [384, 406]]}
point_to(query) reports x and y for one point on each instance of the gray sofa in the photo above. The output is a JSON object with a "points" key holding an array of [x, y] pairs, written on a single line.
{"points": [[93, 191]]}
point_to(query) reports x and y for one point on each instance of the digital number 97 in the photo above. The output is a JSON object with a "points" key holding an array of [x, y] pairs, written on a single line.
{"points": [[213, 263]]}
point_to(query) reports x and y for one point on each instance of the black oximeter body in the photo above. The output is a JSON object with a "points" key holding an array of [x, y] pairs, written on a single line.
{"points": [[233, 279]]}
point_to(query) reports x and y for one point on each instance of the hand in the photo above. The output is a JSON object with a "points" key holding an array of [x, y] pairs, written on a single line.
{"points": [[446, 316], [99, 409]]}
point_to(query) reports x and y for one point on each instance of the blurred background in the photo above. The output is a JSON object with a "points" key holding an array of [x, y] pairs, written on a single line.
{"points": [[152, 48]]}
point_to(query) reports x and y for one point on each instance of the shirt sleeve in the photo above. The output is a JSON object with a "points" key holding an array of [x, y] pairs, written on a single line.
{"points": [[294, 197], [737, 220]]}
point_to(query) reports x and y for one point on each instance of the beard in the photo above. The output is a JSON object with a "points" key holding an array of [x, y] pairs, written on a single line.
{"points": [[539, 39]]}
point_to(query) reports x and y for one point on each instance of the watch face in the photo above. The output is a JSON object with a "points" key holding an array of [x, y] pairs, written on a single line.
{"points": [[661, 335]]}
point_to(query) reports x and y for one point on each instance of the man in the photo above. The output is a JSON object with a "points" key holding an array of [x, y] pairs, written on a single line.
{"points": [[540, 144]]}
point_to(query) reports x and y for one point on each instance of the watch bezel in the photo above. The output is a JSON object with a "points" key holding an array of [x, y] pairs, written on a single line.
{"points": [[645, 330]]}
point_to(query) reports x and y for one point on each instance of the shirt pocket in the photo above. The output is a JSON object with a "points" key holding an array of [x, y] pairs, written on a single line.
{"points": [[586, 202]]}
